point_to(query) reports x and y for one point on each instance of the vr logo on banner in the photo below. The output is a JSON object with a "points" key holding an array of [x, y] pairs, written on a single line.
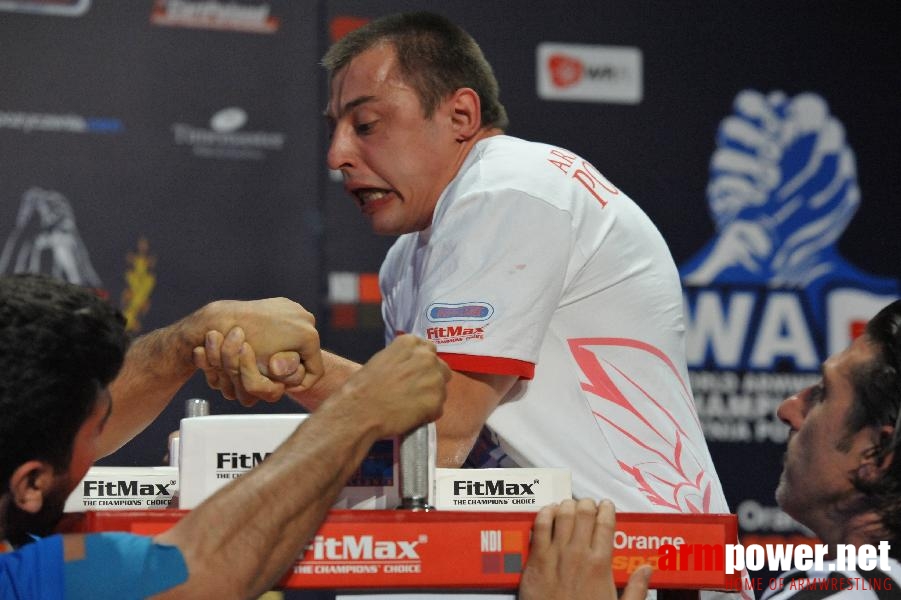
{"points": [[577, 72]]}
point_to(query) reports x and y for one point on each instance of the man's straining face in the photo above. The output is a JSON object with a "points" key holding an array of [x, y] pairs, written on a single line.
{"points": [[821, 457], [395, 161]]}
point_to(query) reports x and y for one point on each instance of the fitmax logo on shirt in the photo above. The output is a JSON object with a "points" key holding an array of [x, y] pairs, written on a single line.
{"points": [[452, 334]]}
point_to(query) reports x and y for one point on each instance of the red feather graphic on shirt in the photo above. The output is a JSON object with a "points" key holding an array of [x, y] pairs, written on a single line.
{"points": [[634, 411]]}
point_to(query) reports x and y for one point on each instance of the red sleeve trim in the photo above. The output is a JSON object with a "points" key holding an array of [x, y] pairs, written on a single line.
{"points": [[489, 364]]}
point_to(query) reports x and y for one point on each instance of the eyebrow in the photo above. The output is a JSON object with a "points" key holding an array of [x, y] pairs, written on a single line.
{"points": [[349, 106]]}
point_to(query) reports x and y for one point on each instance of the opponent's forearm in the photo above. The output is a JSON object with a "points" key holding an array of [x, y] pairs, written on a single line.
{"points": [[246, 536], [159, 363], [156, 366]]}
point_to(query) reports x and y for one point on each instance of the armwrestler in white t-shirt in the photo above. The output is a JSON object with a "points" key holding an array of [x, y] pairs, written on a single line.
{"points": [[535, 266], [547, 290]]}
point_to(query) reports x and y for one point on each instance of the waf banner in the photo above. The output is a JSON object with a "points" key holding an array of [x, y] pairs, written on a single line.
{"points": [[770, 296]]}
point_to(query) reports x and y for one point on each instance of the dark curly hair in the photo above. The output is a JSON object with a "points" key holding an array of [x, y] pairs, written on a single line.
{"points": [[435, 56], [60, 345], [877, 402]]}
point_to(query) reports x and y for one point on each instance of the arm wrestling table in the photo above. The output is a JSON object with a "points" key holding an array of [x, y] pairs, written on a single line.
{"points": [[446, 550]]}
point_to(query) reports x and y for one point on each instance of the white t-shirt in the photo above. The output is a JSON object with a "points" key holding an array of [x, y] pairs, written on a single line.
{"points": [[837, 585], [535, 265]]}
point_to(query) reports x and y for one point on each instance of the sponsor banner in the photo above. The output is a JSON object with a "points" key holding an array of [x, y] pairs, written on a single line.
{"points": [[354, 300], [578, 72], [363, 549], [501, 489], [58, 8], [28, 122], [224, 139], [243, 16], [347, 287], [216, 449], [124, 488], [770, 296]]}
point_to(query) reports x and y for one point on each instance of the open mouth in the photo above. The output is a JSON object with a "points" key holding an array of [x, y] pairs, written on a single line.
{"points": [[367, 195], [371, 199]]}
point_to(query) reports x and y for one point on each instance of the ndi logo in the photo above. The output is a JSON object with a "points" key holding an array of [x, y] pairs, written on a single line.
{"points": [[501, 550]]}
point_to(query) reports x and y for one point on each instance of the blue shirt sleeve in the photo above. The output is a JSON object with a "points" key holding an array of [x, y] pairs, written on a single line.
{"points": [[121, 566], [33, 571]]}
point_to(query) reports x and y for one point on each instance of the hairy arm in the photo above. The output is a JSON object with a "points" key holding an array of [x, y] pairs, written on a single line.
{"points": [[153, 371], [242, 539], [471, 397], [160, 362]]}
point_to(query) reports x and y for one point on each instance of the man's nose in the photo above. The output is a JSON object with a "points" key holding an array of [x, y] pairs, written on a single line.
{"points": [[339, 151], [791, 410]]}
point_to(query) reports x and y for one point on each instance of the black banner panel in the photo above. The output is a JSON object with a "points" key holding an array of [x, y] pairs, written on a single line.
{"points": [[166, 154]]}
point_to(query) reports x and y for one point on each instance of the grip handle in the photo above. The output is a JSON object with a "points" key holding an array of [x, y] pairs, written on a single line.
{"points": [[417, 455]]}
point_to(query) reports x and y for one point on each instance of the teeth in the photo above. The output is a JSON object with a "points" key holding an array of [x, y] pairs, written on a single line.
{"points": [[369, 195]]}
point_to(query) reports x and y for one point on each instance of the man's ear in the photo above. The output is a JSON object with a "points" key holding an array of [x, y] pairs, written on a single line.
{"points": [[466, 113], [29, 483], [874, 463]]}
